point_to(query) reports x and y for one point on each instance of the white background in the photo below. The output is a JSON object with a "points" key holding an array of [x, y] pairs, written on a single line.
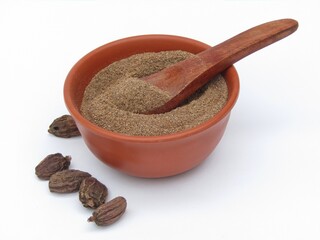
{"points": [[262, 181]]}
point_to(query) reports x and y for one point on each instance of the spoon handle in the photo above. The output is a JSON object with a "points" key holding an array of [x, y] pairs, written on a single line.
{"points": [[181, 80], [234, 49]]}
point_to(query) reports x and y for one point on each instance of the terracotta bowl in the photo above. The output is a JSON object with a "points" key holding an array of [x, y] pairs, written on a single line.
{"points": [[149, 157]]}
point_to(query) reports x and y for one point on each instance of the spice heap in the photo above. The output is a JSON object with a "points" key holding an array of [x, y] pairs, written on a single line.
{"points": [[136, 96], [115, 97]]}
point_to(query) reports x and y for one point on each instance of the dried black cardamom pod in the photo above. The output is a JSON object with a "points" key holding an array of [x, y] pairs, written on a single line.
{"points": [[92, 193], [109, 212], [64, 127], [51, 164], [67, 181]]}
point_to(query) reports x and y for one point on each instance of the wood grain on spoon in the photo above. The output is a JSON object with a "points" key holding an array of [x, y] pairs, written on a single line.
{"points": [[183, 79]]}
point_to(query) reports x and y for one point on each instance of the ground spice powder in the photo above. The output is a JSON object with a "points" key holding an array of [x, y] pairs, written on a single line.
{"points": [[115, 96]]}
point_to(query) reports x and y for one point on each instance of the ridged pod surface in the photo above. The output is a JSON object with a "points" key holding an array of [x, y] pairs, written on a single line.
{"points": [[67, 181], [52, 164], [92, 193], [109, 212], [64, 127]]}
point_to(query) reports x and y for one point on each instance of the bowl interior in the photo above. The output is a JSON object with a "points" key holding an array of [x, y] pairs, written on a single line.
{"points": [[85, 69]]}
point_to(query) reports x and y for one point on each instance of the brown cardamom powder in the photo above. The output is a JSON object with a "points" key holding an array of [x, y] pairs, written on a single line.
{"points": [[115, 96]]}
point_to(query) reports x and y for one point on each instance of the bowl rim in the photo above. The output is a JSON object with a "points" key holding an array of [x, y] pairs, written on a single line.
{"points": [[232, 98]]}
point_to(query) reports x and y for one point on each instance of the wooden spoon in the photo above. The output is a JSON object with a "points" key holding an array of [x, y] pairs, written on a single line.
{"points": [[183, 79]]}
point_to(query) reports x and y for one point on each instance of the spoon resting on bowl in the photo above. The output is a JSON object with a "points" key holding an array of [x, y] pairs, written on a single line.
{"points": [[183, 79]]}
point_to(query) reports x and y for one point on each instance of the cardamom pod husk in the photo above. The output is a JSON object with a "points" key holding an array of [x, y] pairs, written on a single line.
{"points": [[109, 212], [92, 193], [67, 181], [64, 127], [51, 164]]}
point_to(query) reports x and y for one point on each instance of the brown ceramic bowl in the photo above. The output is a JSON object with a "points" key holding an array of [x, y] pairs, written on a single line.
{"points": [[150, 157]]}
